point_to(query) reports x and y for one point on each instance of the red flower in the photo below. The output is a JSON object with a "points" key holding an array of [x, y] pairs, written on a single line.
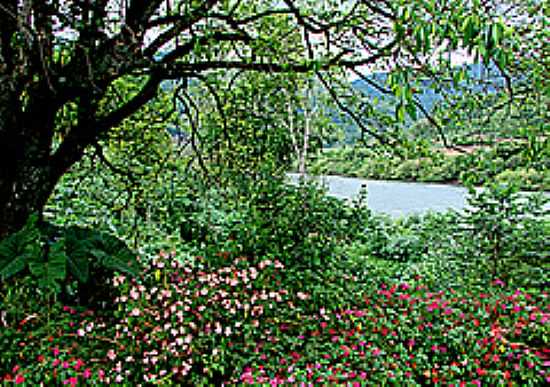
{"points": [[19, 379], [481, 371]]}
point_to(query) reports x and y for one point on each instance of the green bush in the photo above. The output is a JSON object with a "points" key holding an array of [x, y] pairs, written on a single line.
{"points": [[507, 228], [299, 225]]}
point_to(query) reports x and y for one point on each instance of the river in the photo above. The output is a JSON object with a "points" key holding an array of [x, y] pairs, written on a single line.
{"points": [[397, 198]]}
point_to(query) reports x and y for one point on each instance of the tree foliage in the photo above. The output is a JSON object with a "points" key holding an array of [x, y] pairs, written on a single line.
{"points": [[62, 62]]}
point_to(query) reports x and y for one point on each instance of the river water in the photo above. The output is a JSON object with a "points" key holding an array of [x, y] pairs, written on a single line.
{"points": [[397, 198]]}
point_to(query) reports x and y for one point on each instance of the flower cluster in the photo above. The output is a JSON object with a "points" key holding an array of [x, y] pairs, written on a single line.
{"points": [[178, 319], [250, 322], [402, 332]]}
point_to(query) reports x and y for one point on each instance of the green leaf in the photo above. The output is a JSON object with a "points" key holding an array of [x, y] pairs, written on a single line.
{"points": [[52, 272], [411, 110], [79, 267], [10, 267], [18, 249]]}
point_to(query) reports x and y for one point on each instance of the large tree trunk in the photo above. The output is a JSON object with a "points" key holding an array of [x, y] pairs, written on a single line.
{"points": [[23, 193], [28, 171]]}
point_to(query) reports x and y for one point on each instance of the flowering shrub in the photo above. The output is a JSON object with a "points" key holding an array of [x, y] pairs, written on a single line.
{"points": [[244, 322], [407, 333], [179, 323]]}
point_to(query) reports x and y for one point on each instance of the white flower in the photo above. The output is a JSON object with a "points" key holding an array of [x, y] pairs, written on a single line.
{"points": [[111, 354], [89, 327], [134, 294], [302, 296]]}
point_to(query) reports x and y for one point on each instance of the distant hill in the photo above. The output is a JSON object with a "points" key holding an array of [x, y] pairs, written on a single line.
{"points": [[427, 93]]}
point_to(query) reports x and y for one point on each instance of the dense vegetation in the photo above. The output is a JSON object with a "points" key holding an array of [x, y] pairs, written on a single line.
{"points": [[514, 161], [148, 233], [511, 148], [270, 283]]}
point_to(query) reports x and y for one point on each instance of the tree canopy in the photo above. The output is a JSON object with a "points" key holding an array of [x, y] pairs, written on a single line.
{"points": [[63, 64]]}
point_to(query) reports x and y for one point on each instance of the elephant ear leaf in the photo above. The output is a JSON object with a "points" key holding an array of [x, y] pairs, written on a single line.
{"points": [[18, 249], [115, 255], [52, 272], [10, 267], [78, 266], [77, 248]]}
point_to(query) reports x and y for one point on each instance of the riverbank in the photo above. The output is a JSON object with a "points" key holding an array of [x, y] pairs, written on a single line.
{"points": [[505, 162]]}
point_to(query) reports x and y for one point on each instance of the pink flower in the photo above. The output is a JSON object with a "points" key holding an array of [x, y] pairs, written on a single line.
{"points": [[376, 351], [55, 351], [19, 379], [87, 373], [111, 354], [79, 363], [498, 282], [73, 381]]}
